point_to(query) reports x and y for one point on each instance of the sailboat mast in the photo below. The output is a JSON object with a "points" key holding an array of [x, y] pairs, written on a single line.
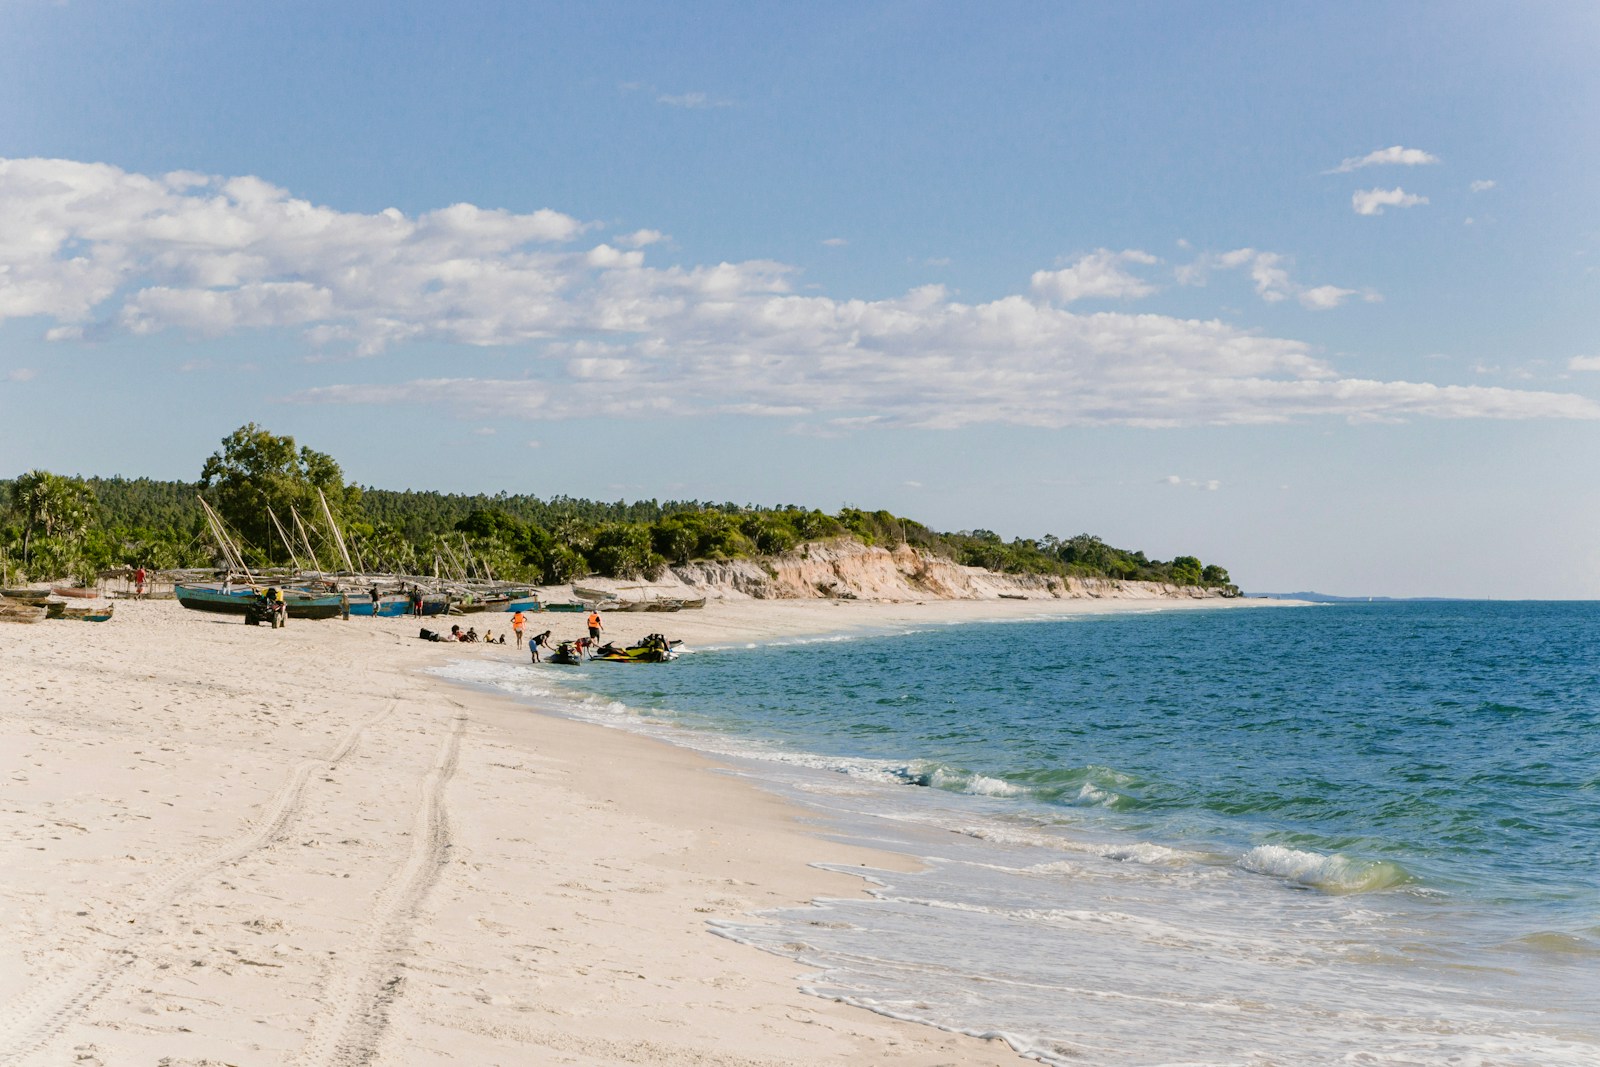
{"points": [[305, 538], [284, 536], [337, 536], [230, 551]]}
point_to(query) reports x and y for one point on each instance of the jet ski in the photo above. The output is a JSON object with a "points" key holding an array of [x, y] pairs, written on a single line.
{"points": [[653, 649], [566, 653]]}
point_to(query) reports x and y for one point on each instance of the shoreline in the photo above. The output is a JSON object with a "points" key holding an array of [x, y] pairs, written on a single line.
{"points": [[295, 846]]}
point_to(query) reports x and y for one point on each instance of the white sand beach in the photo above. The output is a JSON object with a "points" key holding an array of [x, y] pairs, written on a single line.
{"points": [[226, 844]]}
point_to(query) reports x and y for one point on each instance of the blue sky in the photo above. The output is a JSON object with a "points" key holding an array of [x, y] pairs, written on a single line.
{"points": [[1311, 293]]}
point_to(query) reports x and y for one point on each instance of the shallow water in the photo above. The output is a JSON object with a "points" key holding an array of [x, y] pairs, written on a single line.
{"points": [[1349, 834]]}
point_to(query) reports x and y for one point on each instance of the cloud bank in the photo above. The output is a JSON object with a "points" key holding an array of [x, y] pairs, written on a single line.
{"points": [[94, 251]]}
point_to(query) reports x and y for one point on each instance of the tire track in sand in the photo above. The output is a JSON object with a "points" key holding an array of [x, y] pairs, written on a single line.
{"points": [[367, 982], [33, 1019]]}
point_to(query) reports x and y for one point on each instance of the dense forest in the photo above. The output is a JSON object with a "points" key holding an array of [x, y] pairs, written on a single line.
{"points": [[282, 503]]}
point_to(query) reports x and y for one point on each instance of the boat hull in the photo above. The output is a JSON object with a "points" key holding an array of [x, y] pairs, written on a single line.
{"points": [[63, 611], [389, 607], [238, 601]]}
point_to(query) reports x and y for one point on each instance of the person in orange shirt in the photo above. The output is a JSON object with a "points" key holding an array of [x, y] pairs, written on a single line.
{"points": [[594, 628], [517, 623]]}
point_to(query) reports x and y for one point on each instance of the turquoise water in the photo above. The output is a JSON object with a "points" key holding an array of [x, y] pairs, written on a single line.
{"points": [[1365, 833]]}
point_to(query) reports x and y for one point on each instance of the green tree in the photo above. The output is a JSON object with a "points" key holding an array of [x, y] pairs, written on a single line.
{"points": [[257, 470], [623, 551], [1186, 570], [58, 509]]}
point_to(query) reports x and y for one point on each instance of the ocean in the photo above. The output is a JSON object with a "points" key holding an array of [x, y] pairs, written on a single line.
{"points": [[1344, 834]]}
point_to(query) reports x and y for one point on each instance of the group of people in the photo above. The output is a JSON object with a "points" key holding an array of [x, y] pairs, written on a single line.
{"points": [[469, 635], [581, 646], [519, 625]]}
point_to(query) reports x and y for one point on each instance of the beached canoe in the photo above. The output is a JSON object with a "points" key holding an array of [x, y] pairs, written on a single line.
{"points": [[301, 605], [390, 606], [19, 610], [84, 614], [37, 595], [495, 603]]}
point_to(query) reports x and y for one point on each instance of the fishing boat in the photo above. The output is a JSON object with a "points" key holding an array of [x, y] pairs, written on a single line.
{"points": [[85, 614], [389, 605], [33, 595], [15, 609], [300, 603], [76, 592], [497, 603]]}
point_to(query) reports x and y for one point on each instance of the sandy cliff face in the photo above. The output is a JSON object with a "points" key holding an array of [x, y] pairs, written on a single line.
{"points": [[852, 571]]}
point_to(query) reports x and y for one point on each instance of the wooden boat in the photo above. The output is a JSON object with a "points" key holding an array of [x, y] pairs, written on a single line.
{"points": [[496, 603], [25, 594], [390, 605], [84, 614], [301, 604], [77, 592], [570, 605], [14, 609]]}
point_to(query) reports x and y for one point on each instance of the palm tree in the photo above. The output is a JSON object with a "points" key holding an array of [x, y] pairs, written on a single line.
{"points": [[52, 506]]}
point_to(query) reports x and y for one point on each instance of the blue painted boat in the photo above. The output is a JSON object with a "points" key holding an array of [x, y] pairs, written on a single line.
{"points": [[390, 606], [300, 604]]}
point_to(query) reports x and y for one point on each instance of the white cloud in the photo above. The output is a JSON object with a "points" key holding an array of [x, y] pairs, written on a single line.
{"points": [[600, 331], [640, 238], [1482, 186], [1392, 156], [1270, 272], [1098, 275], [1373, 201], [1584, 363], [21, 374], [835, 242], [691, 101], [1323, 297], [1210, 485]]}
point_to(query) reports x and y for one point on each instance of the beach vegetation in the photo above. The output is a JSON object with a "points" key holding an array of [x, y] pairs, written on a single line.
{"points": [[259, 481], [53, 526]]}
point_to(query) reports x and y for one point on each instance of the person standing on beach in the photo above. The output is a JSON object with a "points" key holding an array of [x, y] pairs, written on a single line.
{"points": [[138, 583], [416, 601], [373, 593], [594, 628], [517, 623]]}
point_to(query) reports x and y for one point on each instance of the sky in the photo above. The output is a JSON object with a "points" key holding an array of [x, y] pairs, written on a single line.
{"points": [[1307, 291]]}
